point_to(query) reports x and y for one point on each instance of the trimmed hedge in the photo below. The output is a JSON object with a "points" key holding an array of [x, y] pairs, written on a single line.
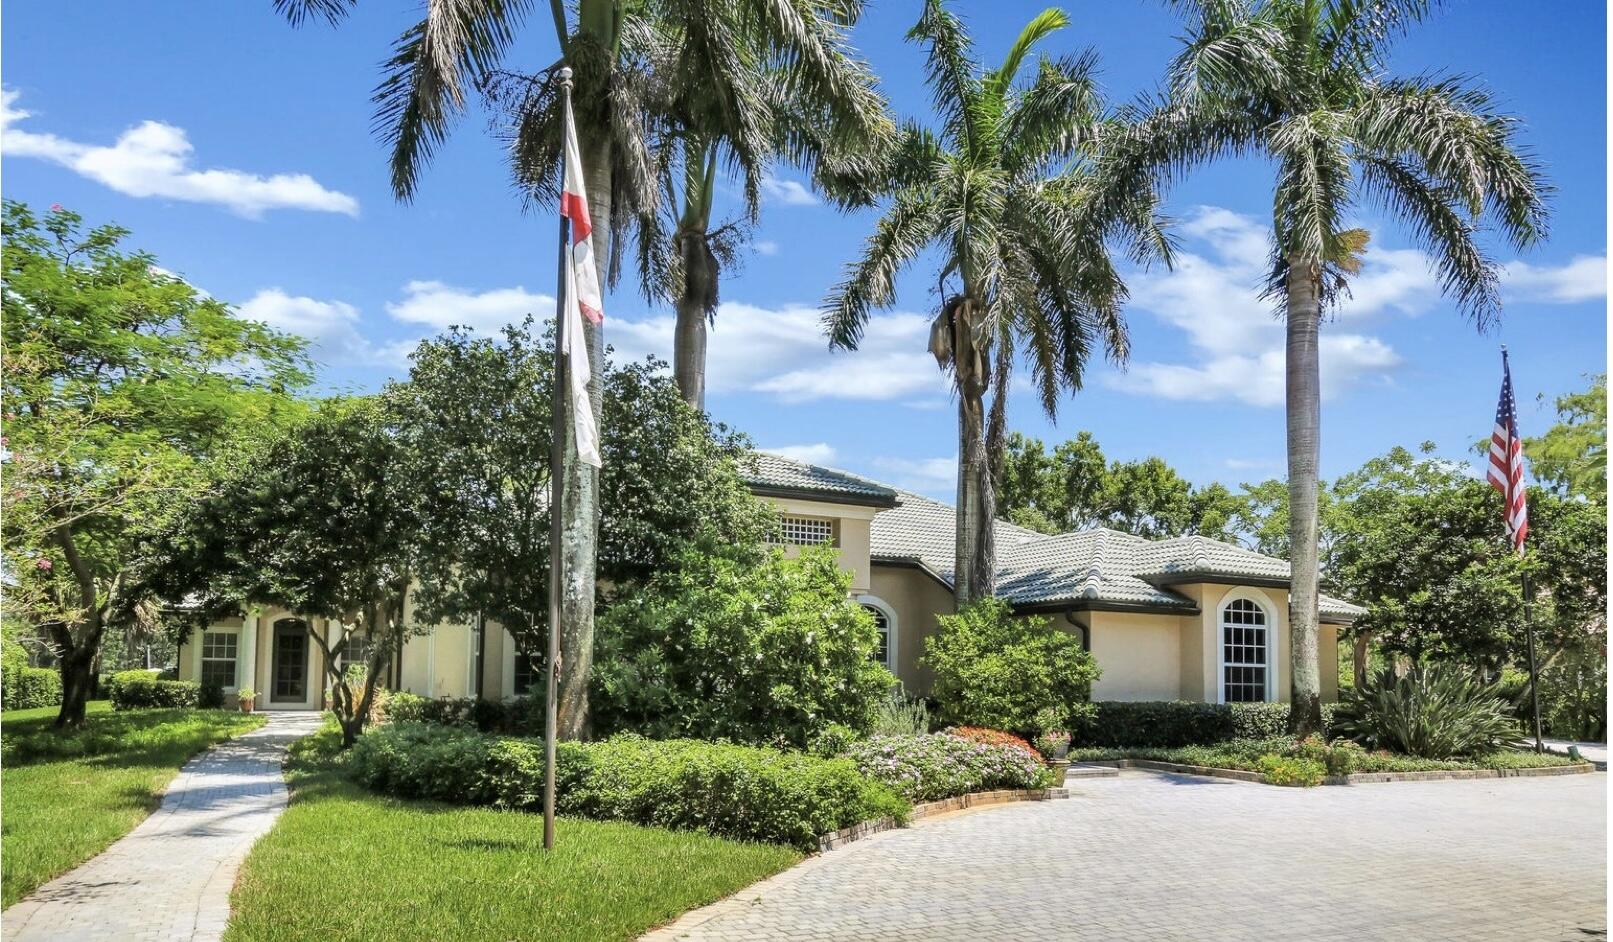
{"points": [[138, 689], [743, 792], [23, 687], [1172, 724], [488, 716]]}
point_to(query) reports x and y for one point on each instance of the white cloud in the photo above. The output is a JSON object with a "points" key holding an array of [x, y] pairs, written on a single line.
{"points": [[154, 159], [332, 328], [815, 453], [788, 192], [937, 477], [783, 352], [1584, 278], [440, 305], [1213, 295], [766, 247]]}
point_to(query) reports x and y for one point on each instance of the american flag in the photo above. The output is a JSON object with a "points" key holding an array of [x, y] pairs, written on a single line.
{"points": [[1506, 460]]}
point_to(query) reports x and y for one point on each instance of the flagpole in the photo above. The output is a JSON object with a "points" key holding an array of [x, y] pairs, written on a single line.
{"points": [[557, 466], [1534, 672]]}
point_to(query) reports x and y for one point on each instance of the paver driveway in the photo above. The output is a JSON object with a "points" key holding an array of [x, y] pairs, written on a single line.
{"points": [[169, 879], [1155, 857]]}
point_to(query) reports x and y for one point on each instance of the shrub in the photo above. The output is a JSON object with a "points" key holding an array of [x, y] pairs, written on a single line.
{"points": [[758, 650], [1171, 724], [743, 792], [23, 687], [488, 716], [210, 696], [835, 740], [940, 765], [995, 670], [1290, 770], [136, 689], [993, 737], [1432, 712], [900, 715]]}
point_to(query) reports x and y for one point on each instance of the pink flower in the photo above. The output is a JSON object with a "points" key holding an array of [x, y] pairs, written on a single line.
{"points": [[43, 564], [55, 207]]}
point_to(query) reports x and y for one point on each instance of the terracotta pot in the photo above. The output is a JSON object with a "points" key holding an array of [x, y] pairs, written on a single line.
{"points": [[246, 706]]}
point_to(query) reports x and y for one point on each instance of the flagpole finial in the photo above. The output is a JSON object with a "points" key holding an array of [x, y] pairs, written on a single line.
{"points": [[564, 74]]}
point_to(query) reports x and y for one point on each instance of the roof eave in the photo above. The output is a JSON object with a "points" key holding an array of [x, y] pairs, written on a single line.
{"points": [[823, 496], [1103, 605]]}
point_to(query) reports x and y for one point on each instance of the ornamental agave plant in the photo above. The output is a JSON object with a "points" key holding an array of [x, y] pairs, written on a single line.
{"points": [[1430, 712]]}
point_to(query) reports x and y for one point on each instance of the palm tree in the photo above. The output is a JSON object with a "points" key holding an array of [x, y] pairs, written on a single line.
{"points": [[758, 114], [1302, 84], [1003, 191]]}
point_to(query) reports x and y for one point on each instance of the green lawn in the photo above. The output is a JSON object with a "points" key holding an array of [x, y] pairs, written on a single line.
{"points": [[69, 796], [343, 863]]}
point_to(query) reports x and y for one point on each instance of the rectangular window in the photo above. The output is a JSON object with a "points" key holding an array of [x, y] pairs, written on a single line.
{"points": [[526, 673], [218, 657], [803, 531], [357, 651]]}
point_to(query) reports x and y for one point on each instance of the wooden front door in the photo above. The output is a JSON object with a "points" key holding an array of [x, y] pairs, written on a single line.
{"points": [[290, 679]]}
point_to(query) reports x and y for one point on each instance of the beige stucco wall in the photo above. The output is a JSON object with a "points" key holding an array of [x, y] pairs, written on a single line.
{"points": [[916, 599], [852, 526], [1140, 656], [255, 658]]}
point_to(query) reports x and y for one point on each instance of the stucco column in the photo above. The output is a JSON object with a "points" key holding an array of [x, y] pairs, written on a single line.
{"points": [[246, 673]]}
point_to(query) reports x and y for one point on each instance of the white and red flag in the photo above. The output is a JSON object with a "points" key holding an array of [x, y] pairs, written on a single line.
{"points": [[582, 296], [1506, 460]]}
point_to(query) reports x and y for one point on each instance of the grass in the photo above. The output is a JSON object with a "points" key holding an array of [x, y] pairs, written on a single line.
{"points": [[1243, 754], [344, 863], [69, 796]]}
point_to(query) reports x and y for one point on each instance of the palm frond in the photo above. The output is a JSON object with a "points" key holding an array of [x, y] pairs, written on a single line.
{"points": [[1041, 26], [1059, 115], [950, 71], [298, 12], [424, 83], [902, 233]]}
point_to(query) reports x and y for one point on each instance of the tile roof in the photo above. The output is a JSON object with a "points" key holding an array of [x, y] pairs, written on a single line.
{"points": [[1093, 566], [779, 474]]}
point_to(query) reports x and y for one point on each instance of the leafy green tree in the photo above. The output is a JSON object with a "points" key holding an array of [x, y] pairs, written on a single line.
{"points": [[122, 386], [1000, 188], [1572, 456], [745, 645], [475, 411], [1073, 488], [997, 670], [322, 521], [1303, 84]]}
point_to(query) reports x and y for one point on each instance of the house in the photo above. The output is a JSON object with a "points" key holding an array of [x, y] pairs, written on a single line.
{"points": [[1188, 618]]}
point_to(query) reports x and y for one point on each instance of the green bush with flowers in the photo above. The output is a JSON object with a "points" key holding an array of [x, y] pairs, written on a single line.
{"points": [[941, 765]]}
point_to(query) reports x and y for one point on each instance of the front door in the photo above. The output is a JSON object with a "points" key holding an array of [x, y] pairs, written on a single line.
{"points": [[290, 662]]}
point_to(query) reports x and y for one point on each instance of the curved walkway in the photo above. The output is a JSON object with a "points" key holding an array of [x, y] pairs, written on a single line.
{"points": [[169, 879], [1166, 857]]}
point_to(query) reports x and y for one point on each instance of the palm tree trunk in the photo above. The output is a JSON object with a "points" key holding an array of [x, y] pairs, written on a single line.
{"points": [[1304, 452], [694, 304], [1359, 651], [974, 559], [580, 523]]}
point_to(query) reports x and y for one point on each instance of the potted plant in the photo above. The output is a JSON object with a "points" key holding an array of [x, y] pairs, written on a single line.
{"points": [[246, 695]]}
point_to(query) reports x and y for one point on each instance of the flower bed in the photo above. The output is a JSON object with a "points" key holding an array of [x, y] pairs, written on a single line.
{"points": [[941, 765], [993, 737]]}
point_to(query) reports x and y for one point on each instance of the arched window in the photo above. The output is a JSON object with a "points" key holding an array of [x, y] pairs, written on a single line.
{"points": [[1245, 652], [885, 621]]}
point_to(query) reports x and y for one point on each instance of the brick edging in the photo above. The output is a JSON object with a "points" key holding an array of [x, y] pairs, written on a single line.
{"points": [[929, 809], [1354, 778]]}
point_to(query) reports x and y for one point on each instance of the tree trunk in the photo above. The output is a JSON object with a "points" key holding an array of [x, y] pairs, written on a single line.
{"points": [[580, 521], [78, 684], [694, 309], [1360, 649], [1304, 455], [953, 341]]}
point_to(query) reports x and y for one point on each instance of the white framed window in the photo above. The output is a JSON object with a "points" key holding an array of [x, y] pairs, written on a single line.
{"points": [[220, 649], [803, 531], [1245, 652], [357, 651], [526, 674], [885, 621]]}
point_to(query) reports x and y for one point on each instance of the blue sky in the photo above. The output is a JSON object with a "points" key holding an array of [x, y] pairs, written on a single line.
{"points": [[239, 151]]}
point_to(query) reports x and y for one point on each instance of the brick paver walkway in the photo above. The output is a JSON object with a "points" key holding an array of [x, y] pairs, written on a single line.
{"points": [[169, 879], [1157, 857]]}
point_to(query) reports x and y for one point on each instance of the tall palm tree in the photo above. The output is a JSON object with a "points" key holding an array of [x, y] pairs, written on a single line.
{"points": [[1302, 83], [758, 115], [1002, 190]]}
